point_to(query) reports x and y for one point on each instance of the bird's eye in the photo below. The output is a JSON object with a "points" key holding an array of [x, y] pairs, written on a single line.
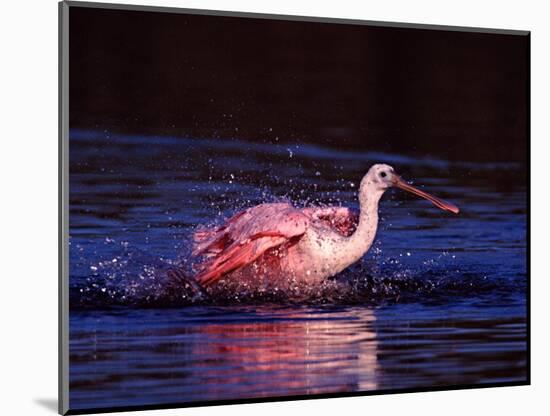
{"points": [[382, 174]]}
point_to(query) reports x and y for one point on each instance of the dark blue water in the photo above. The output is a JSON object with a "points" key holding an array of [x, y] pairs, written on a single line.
{"points": [[439, 300]]}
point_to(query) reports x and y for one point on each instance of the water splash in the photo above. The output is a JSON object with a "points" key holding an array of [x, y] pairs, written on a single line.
{"points": [[133, 278], [148, 209]]}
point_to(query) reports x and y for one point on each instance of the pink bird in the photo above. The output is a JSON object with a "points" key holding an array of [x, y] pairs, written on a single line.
{"points": [[307, 245]]}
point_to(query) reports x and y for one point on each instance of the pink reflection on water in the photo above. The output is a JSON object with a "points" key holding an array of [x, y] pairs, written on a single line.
{"points": [[292, 357]]}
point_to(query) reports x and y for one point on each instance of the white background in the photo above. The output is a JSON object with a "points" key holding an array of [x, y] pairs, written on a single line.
{"points": [[28, 204]]}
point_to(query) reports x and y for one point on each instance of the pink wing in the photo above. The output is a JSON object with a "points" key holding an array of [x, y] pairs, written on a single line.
{"points": [[245, 237], [342, 219]]}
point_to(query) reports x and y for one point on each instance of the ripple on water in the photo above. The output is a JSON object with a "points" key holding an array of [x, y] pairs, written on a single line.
{"points": [[438, 300]]}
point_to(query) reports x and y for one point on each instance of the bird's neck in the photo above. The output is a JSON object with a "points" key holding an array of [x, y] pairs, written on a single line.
{"points": [[361, 240]]}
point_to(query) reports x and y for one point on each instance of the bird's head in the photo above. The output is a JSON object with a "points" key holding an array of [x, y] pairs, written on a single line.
{"points": [[381, 177]]}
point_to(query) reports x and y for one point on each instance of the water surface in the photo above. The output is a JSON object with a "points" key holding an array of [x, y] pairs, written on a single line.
{"points": [[439, 300]]}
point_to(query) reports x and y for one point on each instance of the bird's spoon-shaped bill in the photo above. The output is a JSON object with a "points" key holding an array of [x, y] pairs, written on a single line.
{"points": [[444, 205]]}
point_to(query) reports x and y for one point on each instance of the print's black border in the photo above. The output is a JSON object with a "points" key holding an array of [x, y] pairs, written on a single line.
{"points": [[63, 406]]}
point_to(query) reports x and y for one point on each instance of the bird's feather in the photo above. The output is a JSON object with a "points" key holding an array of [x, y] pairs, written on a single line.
{"points": [[245, 237]]}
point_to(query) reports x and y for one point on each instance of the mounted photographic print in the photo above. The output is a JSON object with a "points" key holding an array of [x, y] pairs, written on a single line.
{"points": [[259, 207]]}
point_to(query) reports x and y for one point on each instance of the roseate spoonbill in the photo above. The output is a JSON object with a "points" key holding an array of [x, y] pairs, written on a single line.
{"points": [[308, 244]]}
